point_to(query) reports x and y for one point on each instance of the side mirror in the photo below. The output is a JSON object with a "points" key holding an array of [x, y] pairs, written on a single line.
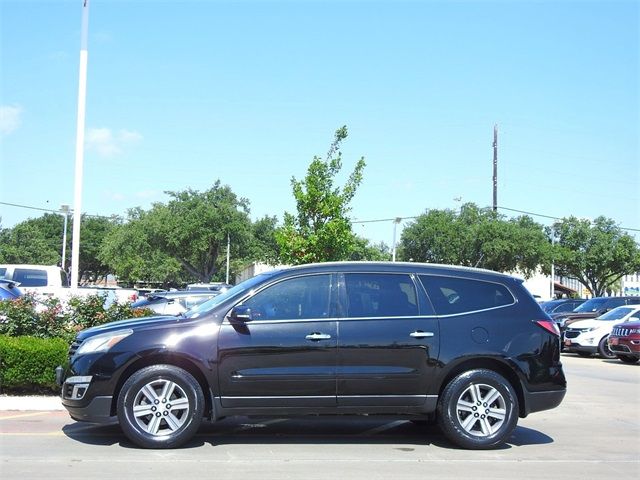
{"points": [[240, 314]]}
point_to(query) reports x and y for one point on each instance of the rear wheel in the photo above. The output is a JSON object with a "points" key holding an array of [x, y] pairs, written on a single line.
{"points": [[603, 348], [160, 406], [478, 409], [629, 359]]}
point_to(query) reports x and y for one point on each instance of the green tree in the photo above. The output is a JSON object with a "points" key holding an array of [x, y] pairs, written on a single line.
{"points": [[36, 241], [126, 249], [364, 250], [477, 237], [597, 253], [191, 229], [321, 230], [93, 231]]}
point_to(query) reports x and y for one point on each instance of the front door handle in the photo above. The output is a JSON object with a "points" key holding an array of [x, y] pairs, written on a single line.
{"points": [[421, 334], [315, 336]]}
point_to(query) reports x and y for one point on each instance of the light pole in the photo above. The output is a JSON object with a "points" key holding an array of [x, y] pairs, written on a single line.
{"points": [[65, 211], [77, 196]]}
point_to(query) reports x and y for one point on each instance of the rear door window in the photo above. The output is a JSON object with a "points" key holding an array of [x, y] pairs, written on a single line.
{"points": [[28, 277], [452, 296], [380, 295]]}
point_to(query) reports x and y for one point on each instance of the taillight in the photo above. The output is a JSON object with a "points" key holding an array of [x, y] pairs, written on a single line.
{"points": [[549, 326]]}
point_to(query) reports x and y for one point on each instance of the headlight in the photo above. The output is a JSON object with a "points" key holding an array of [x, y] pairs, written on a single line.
{"points": [[102, 342]]}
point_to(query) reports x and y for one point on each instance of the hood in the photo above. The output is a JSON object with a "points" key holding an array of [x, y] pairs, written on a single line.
{"points": [[633, 324], [133, 323], [574, 316], [592, 323]]}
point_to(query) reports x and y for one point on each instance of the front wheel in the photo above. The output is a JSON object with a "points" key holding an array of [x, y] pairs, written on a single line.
{"points": [[603, 348], [160, 406], [478, 409], [630, 359]]}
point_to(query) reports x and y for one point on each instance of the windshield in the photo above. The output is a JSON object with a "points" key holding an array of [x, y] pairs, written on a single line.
{"points": [[238, 290], [616, 313], [548, 307], [591, 305]]}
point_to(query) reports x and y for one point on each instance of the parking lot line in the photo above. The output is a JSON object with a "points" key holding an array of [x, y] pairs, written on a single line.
{"points": [[33, 414]]}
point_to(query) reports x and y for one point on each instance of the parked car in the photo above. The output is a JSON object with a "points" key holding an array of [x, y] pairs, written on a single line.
{"points": [[592, 308], [586, 337], [469, 347], [9, 289], [215, 286], [624, 340], [561, 305], [173, 303], [52, 281]]}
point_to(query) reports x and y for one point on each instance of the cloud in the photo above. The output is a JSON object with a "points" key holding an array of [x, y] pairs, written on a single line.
{"points": [[108, 143], [10, 118], [145, 194]]}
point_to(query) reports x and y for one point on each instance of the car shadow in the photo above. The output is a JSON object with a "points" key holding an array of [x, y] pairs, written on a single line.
{"points": [[304, 431]]}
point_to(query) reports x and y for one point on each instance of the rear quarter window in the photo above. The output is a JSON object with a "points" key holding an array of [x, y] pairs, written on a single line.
{"points": [[452, 296]]}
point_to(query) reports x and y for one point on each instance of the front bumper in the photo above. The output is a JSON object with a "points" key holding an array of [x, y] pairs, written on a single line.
{"points": [[96, 410]]}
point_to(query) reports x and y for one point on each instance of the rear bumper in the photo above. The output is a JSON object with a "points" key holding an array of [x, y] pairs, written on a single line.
{"points": [[538, 401]]}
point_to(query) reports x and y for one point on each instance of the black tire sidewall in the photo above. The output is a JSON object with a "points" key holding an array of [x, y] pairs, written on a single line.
{"points": [[447, 409], [160, 372], [603, 349]]}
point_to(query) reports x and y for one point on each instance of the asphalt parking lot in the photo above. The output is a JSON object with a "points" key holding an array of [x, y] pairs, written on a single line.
{"points": [[594, 434]]}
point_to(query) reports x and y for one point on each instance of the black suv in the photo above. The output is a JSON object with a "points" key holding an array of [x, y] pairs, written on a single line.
{"points": [[468, 347]]}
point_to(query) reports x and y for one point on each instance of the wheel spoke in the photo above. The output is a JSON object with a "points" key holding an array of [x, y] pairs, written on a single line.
{"points": [[469, 422], [476, 395], [486, 428], [497, 413], [154, 425], [142, 410], [465, 406], [179, 404], [173, 422], [167, 390], [491, 397], [149, 392]]}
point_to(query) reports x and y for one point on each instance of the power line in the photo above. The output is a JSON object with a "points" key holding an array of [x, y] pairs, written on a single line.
{"points": [[486, 208], [51, 210]]}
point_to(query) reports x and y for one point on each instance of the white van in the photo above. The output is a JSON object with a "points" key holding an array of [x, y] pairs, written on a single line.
{"points": [[52, 281]]}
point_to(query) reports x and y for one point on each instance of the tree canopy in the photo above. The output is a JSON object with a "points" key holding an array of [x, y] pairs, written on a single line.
{"points": [[477, 237], [598, 253], [321, 230]]}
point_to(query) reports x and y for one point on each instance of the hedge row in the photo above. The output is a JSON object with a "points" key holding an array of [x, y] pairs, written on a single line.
{"points": [[27, 364]]}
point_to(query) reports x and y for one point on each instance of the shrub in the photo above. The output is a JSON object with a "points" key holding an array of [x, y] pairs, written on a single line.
{"points": [[28, 363], [28, 316]]}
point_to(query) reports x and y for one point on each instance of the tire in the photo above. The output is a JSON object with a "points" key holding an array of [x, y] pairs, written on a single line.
{"points": [[630, 359], [603, 348], [467, 420], [160, 406]]}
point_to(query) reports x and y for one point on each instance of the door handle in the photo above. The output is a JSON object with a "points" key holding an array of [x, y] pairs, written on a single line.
{"points": [[421, 334], [315, 336]]}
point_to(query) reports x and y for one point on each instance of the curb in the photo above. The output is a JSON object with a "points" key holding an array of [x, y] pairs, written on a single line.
{"points": [[42, 403]]}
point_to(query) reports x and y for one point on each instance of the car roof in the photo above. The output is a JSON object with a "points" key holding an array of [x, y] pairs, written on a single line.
{"points": [[424, 268]]}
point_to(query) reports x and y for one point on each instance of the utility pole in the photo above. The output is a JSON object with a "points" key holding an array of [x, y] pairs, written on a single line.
{"points": [[228, 255], [77, 196], [395, 227], [495, 168]]}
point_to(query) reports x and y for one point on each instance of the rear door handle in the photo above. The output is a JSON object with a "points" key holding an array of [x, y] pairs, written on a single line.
{"points": [[315, 336], [421, 334]]}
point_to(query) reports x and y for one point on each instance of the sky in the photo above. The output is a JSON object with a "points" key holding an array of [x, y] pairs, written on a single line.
{"points": [[181, 94]]}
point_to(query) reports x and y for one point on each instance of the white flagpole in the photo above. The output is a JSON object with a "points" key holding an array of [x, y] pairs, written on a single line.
{"points": [[77, 197]]}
